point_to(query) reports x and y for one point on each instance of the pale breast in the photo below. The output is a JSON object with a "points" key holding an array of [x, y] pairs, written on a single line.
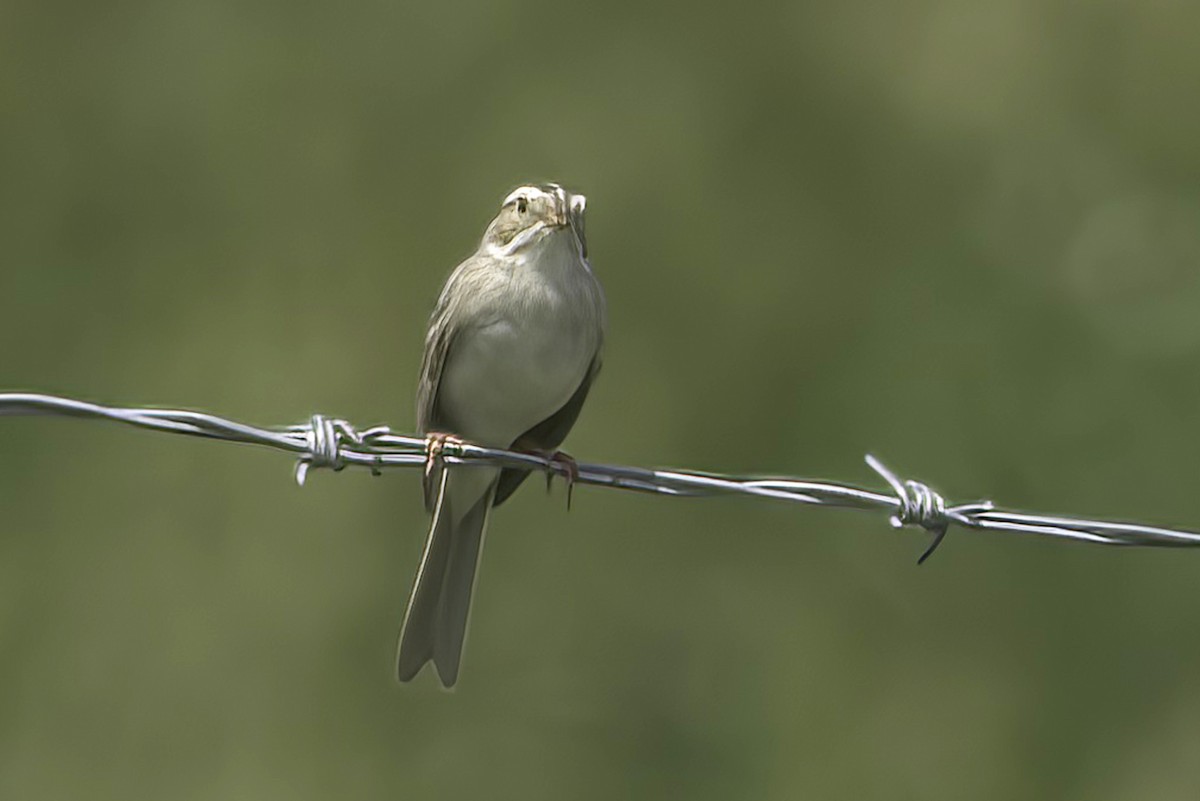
{"points": [[529, 354]]}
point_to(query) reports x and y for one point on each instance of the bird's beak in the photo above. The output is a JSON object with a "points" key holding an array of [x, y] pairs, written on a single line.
{"points": [[573, 211], [577, 206], [562, 207]]}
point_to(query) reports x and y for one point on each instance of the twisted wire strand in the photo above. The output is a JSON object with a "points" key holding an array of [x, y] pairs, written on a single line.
{"points": [[331, 443]]}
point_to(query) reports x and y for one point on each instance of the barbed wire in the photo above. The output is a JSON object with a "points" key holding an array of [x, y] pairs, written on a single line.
{"points": [[326, 442]]}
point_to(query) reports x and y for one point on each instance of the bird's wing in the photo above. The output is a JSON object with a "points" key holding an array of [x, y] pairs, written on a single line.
{"points": [[445, 324], [437, 347], [460, 307]]}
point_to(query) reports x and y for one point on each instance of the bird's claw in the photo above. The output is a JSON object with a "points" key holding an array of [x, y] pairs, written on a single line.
{"points": [[564, 463], [435, 445]]}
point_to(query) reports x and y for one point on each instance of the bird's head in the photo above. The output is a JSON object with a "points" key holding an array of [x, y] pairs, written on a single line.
{"points": [[531, 213]]}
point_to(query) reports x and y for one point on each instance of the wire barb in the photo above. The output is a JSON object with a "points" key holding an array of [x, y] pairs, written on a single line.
{"points": [[327, 442], [324, 436], [919, 506]]}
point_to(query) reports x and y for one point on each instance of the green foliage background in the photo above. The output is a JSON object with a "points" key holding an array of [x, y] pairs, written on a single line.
{"points": [[963, 236]]}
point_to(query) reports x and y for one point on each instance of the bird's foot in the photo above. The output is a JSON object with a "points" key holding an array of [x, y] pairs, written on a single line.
{"points": [[435, 445], [564, 463]]}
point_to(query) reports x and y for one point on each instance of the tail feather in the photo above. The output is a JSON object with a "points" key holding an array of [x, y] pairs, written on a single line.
{"points": [[435, 624]]}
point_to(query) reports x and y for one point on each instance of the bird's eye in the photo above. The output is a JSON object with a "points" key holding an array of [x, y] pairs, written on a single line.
{"points": [[522, 205]]}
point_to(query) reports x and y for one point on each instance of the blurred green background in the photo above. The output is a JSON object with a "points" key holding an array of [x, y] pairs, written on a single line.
{"points": [[963, 236]]}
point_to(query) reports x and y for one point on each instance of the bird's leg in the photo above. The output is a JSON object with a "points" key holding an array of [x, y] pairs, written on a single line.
{"points": [[435, 444], [564, 462], [560, 462]]}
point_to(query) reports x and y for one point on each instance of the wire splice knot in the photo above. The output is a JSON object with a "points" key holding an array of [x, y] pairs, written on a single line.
{"points": [[324, 446], [918, 506]]}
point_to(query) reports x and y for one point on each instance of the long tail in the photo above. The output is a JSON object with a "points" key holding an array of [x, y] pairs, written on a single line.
{"points": [[435, 624]]}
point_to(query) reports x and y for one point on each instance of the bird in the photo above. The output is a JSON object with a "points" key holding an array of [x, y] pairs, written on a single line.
{"points": [[513, 346]]}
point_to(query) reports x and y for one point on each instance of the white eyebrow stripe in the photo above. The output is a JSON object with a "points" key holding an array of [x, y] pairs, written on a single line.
{"points": [[521, 190]]}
